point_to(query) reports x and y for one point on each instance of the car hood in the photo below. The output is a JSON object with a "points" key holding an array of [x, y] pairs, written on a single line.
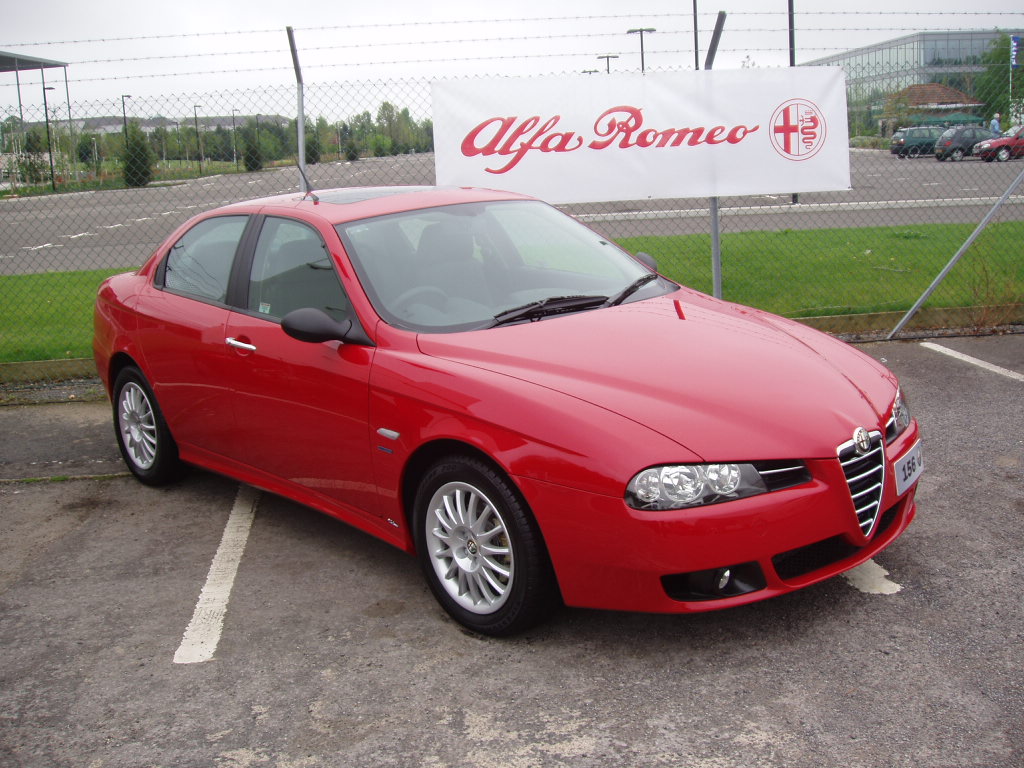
{"points": [[724, 381]]}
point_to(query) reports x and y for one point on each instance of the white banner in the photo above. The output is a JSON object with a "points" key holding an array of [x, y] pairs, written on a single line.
{"points": [[591, 138]]}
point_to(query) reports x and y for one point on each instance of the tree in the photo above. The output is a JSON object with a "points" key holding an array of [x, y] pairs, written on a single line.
{"points": [[993, 85], [138, 158], [313, 147], [33, 160], [252, 155]]}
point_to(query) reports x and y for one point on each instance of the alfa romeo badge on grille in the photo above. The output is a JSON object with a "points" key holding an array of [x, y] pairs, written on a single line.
{"points": [[861, 440]]}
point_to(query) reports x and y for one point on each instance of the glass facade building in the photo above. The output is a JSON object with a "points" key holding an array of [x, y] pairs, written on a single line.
{"points": [[951, 58]]}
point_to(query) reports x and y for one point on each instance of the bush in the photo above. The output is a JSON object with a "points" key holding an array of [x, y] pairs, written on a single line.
{"points": [[251, 155], [137, 159], [868, 142]]}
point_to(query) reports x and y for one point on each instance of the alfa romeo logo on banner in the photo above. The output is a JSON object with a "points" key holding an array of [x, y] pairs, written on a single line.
{"points": [[626, 137], [798, 129]]}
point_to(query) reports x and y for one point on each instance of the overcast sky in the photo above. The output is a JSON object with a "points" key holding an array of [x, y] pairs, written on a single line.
{"points": [[195, 46]]}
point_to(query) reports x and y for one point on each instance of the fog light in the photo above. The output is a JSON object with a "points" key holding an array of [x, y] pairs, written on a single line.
{"points": [[724, 577]]}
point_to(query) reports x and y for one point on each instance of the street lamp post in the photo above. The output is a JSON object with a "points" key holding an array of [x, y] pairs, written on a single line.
{"points": [[199, 141], [608, 61], [124, 115], [49, 145], [641, 31], [234, 150]]}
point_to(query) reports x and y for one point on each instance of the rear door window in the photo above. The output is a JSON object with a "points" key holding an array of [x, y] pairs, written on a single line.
{"points": [[199, 264]]}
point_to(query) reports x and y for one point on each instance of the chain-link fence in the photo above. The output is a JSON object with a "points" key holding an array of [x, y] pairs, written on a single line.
{"points": [[90, 189]]}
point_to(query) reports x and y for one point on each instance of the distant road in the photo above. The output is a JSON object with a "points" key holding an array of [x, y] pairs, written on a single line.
{"points": [[120, 228]]}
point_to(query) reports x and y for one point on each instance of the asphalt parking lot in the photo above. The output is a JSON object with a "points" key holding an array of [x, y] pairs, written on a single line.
{"points": [[332, 652]]}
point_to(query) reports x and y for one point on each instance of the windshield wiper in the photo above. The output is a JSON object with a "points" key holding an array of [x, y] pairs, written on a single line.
{"points": [[630, 289], [553, 305]]}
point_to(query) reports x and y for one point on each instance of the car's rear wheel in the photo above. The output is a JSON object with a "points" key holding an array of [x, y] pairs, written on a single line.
{"points": [[1003, 154], [956, 155], [914, 151], [480, 549], [145, 441]]}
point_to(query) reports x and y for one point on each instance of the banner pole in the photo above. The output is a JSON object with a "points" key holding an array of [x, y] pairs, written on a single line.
{"points": [[716, 228]]}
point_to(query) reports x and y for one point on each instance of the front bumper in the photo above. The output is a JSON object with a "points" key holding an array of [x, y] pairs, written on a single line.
{"points": [[607, 555]]}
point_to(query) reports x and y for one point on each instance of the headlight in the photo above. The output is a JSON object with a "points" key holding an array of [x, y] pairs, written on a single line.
{"points": [[900, 417], [677, 486], [983, 145]]}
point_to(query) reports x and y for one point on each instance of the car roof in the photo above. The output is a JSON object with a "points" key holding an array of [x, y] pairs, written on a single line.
{"points": [[352, 203]]}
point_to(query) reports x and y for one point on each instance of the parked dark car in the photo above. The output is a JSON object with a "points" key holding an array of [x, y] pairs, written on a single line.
{"points": [[958, 142], [911, 142], [1009, 145]]}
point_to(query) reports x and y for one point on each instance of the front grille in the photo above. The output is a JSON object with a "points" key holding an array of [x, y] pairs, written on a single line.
{"points": [[865, 475]]}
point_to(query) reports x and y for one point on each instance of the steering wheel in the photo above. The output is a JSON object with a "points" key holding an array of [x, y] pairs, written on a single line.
{"points": [[430, 295]]}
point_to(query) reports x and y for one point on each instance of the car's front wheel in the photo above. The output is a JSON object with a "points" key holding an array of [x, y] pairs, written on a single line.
{"points": [[480, 548], [1003, 154], [145, 441]]}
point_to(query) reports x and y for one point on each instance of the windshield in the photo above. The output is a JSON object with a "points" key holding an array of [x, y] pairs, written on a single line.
{"points": [[477, 265]]}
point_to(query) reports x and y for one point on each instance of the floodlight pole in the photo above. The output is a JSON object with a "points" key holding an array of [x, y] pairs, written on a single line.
{"points": [[641, 31]]}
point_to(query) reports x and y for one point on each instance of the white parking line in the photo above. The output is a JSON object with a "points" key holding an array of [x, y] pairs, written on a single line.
{"points": [[870, 578], [974, 361], [203, 633]]}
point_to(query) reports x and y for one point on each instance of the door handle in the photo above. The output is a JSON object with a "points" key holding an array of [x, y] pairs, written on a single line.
{"points": [[233, 342]]}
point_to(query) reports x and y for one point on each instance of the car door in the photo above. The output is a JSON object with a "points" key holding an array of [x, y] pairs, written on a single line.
{"points": [[181, 322], [301, 408]]}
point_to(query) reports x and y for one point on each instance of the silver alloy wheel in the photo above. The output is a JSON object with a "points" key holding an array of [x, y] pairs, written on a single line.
{"points": [[469, 547], [1003, 154], [136, 422]]}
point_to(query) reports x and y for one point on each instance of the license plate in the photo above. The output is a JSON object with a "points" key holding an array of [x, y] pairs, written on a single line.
{"points": [[908, 468]]}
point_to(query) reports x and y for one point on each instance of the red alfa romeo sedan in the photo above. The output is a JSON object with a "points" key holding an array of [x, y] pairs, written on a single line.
{"points": [[536, 414]]}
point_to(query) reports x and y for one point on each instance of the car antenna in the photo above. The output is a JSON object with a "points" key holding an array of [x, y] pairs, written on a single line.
{"points": [[309, 187]]}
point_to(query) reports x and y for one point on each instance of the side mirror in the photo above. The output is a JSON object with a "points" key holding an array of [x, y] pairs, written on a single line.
{"points": [[315, 325], [647, 260]]}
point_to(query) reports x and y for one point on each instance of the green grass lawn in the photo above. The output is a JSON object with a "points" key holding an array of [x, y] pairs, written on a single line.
{"points": [[806, 273], [796, 273], [48, 316]]}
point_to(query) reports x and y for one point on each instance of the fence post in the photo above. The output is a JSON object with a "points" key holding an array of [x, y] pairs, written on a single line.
{"points": [[300, 122]]}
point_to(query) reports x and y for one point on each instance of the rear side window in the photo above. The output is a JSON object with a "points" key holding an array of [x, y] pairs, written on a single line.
{"points": [[199, 264]]}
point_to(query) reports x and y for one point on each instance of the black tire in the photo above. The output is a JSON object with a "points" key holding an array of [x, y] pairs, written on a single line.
{"points": [[1003, 155], [956, 155], [480, 549], [914, 152], [146, 444]]}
